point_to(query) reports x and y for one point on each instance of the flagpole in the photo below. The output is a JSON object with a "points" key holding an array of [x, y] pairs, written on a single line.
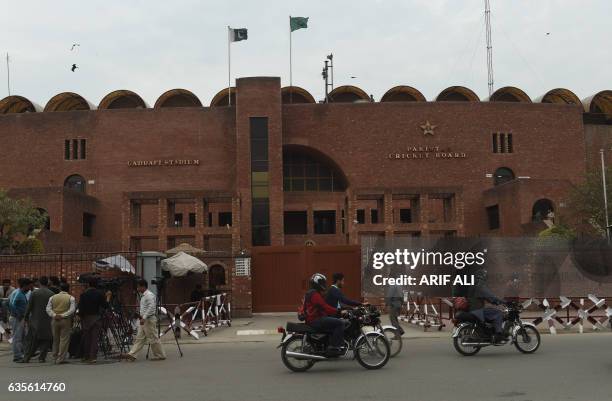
{"points": [[8, 75], [229, 69], [290, 64]]}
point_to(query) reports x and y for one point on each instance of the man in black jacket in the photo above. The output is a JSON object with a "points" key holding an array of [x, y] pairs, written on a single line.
{"points": [[92, 304], [334, 297]]}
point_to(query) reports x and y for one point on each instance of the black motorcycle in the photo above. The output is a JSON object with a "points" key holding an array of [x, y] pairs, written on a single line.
{"points": [[302, 346], [471, 334]]}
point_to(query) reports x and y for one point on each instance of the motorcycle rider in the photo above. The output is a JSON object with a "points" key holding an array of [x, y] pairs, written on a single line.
{"points": [[320, 316], [334, 297], [477, 295]]}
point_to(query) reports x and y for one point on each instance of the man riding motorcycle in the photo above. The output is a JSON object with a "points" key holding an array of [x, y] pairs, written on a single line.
{"points": [[320, 316], [477, 295]]}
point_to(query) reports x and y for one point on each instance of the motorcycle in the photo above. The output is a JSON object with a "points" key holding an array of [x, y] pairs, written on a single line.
{"points": [[302, 346], [393, 337], [471, 334]]}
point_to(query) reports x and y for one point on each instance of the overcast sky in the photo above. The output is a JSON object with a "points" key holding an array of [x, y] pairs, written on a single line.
{"points": [[152, 46]]}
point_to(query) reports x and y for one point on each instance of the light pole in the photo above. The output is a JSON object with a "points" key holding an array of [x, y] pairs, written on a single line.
{"points": [[605, 192]]}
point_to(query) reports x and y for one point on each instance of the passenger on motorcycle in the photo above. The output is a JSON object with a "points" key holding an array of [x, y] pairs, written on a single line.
{"points": [[334, 297], [319, 315], [477, 295]]}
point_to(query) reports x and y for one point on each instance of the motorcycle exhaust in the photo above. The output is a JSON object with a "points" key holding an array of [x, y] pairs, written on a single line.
{"points": [[299, 355], [475, 344]]}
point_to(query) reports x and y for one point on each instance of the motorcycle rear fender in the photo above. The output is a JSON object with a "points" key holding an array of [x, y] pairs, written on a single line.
{"points": [[458, 328], [517, 328], [370, 332], [389, 327], [287, 337]]}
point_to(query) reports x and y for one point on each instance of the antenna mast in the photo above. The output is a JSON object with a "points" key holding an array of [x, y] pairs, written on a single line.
{"points": [[489, 46]]}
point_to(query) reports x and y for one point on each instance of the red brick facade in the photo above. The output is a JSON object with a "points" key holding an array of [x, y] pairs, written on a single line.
{"points": [[158, 177]]}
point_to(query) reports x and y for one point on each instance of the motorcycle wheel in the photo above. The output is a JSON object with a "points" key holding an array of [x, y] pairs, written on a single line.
{"points": [[527, 339], [395, 340], [466, 350], [372, 350], [296, 365]]}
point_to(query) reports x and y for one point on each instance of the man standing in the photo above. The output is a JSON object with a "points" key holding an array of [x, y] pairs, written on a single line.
{"points": [[394, 299], [54, 284], [91, 306], [335, 298], [61, 309], [39, 322], [17, 306], [147, 330], [5, 291]]}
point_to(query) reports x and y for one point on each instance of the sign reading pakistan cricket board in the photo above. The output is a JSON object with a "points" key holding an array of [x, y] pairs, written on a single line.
{"points": [[421, 152]]}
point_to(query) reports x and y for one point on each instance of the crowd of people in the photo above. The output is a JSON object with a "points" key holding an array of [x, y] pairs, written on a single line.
{"points": [[41, 314]]}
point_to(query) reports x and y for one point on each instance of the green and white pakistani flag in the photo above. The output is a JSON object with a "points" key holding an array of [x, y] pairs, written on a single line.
{"points": [[238, 34], [298, 23]]}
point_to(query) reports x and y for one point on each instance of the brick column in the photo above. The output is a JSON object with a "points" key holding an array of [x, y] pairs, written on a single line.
{"points": [[162, 225], [388, 213], [424, 214]]}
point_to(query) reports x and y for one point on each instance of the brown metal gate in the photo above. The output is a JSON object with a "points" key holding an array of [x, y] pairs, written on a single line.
{"points": [[280, 273]]}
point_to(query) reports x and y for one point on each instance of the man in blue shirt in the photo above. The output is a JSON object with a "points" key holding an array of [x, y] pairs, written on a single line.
{"points": [[334, 297], [17, 305]]}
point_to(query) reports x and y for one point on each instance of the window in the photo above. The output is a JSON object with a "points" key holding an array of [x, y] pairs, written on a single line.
{"points": [[260, 196], [75, 182], [216, 276], [88, 224], [324, 222], [225, 219], [192, 219], [502, 142], [542, 210], [210, 222], [502, 175], [493, 217], [75, 149], [405, 216], [295, 223], [308, 171], [360, 216], [374, 216], [178, 219]]}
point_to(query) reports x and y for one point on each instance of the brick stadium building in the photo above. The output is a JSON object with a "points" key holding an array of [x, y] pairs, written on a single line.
{"points": [[277, 168]]}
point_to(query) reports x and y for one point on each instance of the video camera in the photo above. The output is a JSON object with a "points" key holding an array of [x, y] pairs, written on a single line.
{"points": [[104, 283]]}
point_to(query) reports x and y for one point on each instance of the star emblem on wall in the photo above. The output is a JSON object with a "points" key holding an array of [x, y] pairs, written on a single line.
{"points": [[427, 128]]}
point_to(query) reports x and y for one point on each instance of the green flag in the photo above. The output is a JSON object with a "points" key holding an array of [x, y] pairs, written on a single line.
{"points": [[298, 23]]}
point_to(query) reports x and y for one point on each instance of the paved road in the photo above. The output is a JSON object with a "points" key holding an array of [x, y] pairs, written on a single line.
{"points": [[567, 367]]}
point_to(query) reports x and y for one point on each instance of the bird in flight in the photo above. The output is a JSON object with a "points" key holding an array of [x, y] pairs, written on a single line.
{"points": [[74, 67], [74, 45]]}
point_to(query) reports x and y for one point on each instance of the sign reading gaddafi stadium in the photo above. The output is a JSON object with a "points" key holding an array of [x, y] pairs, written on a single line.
{"points": [[164, 163]]}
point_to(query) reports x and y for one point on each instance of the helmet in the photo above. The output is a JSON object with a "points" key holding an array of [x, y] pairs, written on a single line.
{"points": [[318, 282]]}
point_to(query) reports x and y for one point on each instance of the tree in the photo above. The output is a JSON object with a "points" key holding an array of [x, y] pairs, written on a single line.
{"points": [[586, 201], [19, 221], [558, 231]]}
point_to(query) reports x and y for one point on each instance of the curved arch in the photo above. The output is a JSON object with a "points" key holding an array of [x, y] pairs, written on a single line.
{"points": [[220, 99], [457, 94], [67, 101], [122, 99], [542, 209], [75, 182], [599, 103], [177, 98], [308, 169], [348, 94], [403, 93], [295, 94], [510, 94], [502, 175], [17, 104], [559, 96], [216, 275]]}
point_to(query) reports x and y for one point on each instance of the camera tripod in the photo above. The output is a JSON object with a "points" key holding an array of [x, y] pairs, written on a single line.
{"points": [[160, 283]]}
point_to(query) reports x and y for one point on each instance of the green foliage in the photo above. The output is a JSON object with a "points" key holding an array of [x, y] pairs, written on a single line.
{"points": [[30, 246], [558, 231], [587, 201], [19, 220]]}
